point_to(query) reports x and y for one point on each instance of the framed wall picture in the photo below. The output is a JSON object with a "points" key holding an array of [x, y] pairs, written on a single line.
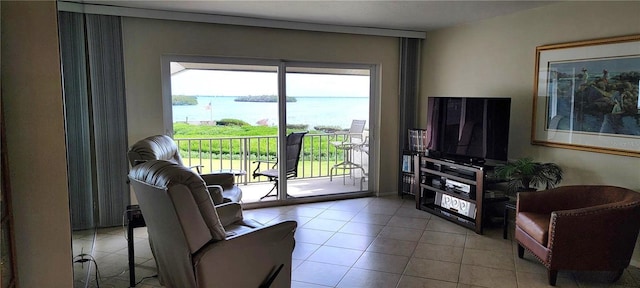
{"points": [[586, 96]]}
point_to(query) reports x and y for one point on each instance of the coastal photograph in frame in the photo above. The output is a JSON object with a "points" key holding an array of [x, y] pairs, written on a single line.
{"points": [[586, 96]]}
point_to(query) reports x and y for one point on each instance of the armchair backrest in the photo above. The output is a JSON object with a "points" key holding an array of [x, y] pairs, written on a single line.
{"points": [[158, 147], [180, 216], [294, 147]]}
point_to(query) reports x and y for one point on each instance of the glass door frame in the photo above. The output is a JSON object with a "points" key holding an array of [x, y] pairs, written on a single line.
{"points": [[281, 65]]}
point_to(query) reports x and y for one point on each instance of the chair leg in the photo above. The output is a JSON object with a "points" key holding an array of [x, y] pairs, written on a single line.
{"points": [[553, 276], [275, 187], [269, 193], [520, 251]]}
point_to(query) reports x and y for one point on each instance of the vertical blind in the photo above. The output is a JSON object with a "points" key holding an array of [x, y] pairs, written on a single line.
{"points": [[77, 120], [95, 118], [409, 85], [106, 69]]}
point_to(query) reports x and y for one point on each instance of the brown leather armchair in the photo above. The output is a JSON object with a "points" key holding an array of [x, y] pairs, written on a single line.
{"points": [[581, 227], [198, 244], [161, 147]]}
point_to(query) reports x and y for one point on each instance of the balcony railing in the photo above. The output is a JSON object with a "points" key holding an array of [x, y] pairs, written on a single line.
{"points": [[240, 153]]}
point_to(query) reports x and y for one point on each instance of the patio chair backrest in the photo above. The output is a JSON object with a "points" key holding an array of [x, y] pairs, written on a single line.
{"points": [[357, 129], [294, 147]]}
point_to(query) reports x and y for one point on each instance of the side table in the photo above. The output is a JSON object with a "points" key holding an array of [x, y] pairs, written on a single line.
{"points": [[235, 172], [134, 220], [509, 206]]}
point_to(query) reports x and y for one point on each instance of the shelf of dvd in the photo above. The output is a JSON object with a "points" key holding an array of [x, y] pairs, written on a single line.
{"points": [[450, 190], [407, 184]]}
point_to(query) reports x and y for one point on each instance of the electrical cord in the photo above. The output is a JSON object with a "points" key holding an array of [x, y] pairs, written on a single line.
{"points": [[92, 260], [98, 276], [145, 278]]}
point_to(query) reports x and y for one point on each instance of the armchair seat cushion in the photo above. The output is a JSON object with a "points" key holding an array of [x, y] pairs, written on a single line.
{"points": [[535, 224]]}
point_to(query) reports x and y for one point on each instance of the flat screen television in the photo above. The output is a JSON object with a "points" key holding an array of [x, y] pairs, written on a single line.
{"points": [[468, 129]]}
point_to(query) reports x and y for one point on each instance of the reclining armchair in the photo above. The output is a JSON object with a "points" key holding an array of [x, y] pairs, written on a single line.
{"points": [[198, 244], [579, 228], [161, 147]]}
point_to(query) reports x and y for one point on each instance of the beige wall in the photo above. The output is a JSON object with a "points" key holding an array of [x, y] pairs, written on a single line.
{"points": [[32, 95], [496, 57], [145, 41]]}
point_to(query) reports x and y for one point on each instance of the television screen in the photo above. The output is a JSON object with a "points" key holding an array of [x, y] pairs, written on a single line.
{"points": [[469, 129]]}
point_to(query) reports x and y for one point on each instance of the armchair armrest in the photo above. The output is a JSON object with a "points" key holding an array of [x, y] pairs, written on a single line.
{"points": [[260, 163], [265, 234], [568, 227], [229, 213], [262, 250], [215, 191]]}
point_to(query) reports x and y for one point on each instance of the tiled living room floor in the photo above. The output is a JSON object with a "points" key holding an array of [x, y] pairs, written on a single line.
{"points": [[374, 242]]}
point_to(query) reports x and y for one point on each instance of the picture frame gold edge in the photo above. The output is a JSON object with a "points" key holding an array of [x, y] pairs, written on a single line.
{"points": [[587, 148], [583, 43]]}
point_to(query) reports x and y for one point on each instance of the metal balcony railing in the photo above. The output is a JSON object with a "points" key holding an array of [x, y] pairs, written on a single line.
{"points": [[240, 153]]}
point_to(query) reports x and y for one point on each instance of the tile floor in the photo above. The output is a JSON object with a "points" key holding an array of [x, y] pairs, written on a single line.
{"points": [[373, 242]]}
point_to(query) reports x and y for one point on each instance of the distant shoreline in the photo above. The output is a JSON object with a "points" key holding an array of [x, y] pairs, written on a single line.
{"points": [[262, 98]]}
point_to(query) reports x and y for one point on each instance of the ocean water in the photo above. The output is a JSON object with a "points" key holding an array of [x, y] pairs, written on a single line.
{"points": [[313, 111]]}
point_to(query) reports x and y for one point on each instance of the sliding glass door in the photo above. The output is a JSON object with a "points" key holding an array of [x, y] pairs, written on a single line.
{"points": [[234, 116], [326, 99]]}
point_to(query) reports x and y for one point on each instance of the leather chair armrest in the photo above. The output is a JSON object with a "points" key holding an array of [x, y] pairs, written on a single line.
{"points": [[229, 213], [262, 235], [268, 233], [569, 227], [216, 193], [263, 250]]}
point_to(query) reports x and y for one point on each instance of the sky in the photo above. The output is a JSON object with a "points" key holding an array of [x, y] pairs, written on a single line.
{"points": [[239, 83]]}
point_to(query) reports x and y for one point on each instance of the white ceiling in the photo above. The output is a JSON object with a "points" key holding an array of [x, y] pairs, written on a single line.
{"points": [[423, 15]]}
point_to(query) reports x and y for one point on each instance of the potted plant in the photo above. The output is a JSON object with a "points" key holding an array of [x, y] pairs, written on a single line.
{"points": [[526, 175]]}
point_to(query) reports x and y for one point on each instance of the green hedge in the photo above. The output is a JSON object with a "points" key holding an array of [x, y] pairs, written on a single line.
{"points": [[184, 100]]}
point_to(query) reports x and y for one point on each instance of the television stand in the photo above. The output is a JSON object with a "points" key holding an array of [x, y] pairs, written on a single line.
{"points": [[462, 160], [451, 190]]}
